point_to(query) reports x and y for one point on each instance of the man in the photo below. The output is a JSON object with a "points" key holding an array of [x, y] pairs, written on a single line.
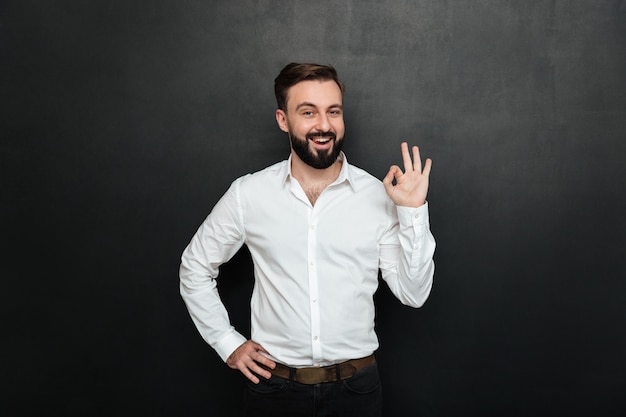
{"points": [[319, 230]]}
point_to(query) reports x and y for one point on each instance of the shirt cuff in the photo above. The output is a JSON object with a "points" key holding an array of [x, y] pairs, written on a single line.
{"points": [[413, 216], [227, 344]]}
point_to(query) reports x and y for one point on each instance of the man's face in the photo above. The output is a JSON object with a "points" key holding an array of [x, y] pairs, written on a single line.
{"points": [[314, 122]]}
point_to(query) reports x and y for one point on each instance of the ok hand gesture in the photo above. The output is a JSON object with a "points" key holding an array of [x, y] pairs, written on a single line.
{"points": [[410, 187]]}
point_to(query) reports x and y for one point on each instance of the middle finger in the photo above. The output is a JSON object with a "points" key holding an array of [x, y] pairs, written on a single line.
{"points": [[406, 157]]}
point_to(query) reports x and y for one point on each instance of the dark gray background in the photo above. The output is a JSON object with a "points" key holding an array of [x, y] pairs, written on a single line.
{"points": [[123, 122]]}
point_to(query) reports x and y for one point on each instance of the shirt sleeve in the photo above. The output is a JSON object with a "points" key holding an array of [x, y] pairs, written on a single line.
{"points": [[217, 240], [406, 256]]}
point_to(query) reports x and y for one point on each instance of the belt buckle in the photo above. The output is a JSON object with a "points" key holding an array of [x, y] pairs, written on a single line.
{"points": [[311, 376]]}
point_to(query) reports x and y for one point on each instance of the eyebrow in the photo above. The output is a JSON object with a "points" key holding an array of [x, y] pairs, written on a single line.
{"points": [[307, 104]]}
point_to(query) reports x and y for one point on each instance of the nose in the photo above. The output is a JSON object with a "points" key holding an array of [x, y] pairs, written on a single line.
{"points": [[323, 123]]}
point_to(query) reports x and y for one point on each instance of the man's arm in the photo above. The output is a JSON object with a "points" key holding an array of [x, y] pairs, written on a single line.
{"points": [[406, 256], [406, 252], [217, 240]]}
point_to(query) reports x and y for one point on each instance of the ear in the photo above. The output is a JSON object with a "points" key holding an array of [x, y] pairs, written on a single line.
{"points": [[281, 119]]}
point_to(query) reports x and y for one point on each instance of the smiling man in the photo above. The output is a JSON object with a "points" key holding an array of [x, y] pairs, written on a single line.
{"points": [[319, 231], [313, 121], [312, 116]]}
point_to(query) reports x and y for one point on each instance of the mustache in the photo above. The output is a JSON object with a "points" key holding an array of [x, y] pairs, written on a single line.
{"points": [[331, 135]]}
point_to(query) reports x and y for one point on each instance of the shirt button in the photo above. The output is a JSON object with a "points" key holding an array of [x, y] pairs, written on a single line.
{"points": [[417, 216], [315, 338]]}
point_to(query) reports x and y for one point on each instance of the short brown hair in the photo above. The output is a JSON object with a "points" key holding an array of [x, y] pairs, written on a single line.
{"points": [[294, 73]]}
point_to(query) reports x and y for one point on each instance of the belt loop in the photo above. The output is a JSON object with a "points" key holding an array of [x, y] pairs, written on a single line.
{"points": [[338, 370], [292, 374]]}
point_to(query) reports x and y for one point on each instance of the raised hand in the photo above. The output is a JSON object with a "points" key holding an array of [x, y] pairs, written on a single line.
{"points": [[410, 187], [246, 359]]}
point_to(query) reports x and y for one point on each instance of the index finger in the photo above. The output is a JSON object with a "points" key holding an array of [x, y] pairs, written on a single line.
{"points": [[265, 361]]}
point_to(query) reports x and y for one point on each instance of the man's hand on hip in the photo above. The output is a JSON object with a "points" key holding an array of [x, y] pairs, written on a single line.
{"points": [[245, 358]]}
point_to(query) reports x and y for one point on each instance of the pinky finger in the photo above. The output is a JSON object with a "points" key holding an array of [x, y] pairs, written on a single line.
{"points": [[250, 376], [248, 373], [427, 166]]}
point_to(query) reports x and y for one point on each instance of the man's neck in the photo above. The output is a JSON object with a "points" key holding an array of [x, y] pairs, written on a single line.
{"points": [[312, 180], [305, 173]]}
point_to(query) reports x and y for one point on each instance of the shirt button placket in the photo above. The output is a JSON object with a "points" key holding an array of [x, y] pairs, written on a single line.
{"points": [[313, 293]]}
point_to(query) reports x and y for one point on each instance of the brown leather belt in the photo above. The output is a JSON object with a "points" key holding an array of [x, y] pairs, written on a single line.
{"points": [[322, 374]]}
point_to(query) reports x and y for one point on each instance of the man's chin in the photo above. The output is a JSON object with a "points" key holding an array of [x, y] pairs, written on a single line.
{"points": [[323, 160], [321, 152], [317, 157]]}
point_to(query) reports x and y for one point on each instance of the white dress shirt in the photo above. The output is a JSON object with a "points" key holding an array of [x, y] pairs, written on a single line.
{"points": [[315, 267]]}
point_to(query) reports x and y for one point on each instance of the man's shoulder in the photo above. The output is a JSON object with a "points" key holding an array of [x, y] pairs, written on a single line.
{"points": [[363, 178], [273, 172]]}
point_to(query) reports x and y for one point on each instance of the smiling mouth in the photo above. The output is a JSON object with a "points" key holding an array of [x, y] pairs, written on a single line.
{"points": [[322, 138]]}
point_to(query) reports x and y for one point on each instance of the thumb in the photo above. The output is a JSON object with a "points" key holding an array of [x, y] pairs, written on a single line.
{"points": [[388, 180]]}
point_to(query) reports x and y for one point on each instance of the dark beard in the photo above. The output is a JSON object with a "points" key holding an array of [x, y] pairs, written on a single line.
{"points": [[313, 158]]}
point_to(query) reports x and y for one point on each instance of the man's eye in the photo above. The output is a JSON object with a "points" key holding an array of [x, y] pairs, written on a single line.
{"points": [[307, 113]]}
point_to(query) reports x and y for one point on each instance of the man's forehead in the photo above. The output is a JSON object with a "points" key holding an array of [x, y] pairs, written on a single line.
{"points": [[315, 92]]}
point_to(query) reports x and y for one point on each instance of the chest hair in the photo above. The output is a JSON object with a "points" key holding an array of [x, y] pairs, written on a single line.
{"points": [[313, 191]]}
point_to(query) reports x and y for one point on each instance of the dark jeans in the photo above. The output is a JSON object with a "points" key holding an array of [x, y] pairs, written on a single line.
{"points": [[359, 396]]}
